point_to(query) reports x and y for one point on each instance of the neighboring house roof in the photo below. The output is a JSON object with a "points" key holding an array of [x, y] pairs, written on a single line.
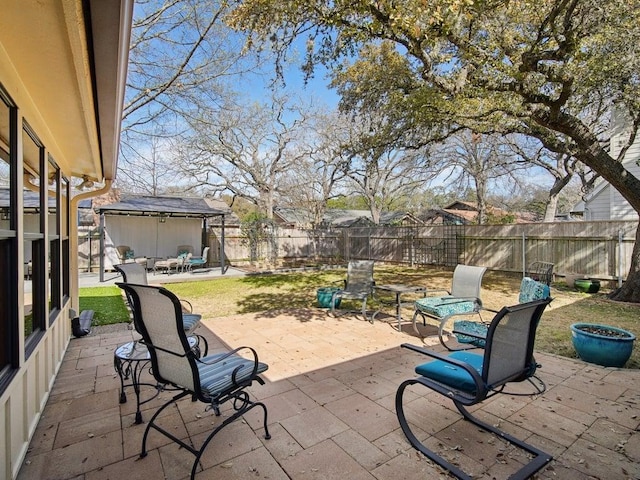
{"points": [[292, 216], [460, 212], [31, 200], [338, 218], [230, 218], [169, 206]]}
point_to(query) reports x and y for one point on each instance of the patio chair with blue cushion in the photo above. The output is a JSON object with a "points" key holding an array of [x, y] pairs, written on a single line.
{"points": [[135, 273], [358, 285], [474, 333], [463, 298], [194, 262], [469, 378], [215, 379]]}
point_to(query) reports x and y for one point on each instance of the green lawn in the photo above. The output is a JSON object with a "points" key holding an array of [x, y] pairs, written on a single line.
{"points": [[239, 295], [106, 302]]}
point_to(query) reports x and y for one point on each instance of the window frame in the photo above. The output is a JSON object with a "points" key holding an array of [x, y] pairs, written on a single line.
{"points": [[10, 337], [39, 248]]}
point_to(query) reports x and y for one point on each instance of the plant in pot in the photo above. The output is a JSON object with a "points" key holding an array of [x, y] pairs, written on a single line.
{"points": [[602, 344], [587, 285]]}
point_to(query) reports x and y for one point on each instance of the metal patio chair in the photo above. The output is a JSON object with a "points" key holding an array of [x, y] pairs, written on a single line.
{"points": [[358, 285], [197, 261], [135, 273], [473, 333], [541, 271], [463, 298], [469, 378], [214, 379]]}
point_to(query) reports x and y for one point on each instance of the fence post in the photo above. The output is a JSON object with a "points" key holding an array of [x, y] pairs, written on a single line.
{"points": [[524, 255], [620, 252]]}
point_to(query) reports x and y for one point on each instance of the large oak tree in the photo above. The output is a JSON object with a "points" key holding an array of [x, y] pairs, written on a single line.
{"points": [[554, 70]]}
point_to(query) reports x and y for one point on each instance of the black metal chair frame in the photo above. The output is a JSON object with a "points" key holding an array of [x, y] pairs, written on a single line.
{"points": [[484, 388], [541, 271], [235, 393]]}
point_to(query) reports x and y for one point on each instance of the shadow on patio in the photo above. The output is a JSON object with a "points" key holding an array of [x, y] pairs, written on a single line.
{"points": [[330, 392]]}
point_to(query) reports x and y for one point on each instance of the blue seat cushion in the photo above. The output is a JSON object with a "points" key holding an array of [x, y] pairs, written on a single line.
{"points": [[216, 378], [452, 375], [441, 307], [190, 321], [475, 328]]}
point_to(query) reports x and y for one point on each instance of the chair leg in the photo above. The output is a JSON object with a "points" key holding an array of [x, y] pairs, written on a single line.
{"points": [[334, 297], [364, 310], [229, 420], [417, 312], [539, 460]]}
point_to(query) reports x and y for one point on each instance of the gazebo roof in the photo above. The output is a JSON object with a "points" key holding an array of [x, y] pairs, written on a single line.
{"points": [[157, 206]]}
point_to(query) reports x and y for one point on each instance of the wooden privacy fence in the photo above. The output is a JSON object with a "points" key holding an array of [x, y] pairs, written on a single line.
{"points": [[599, 249]]}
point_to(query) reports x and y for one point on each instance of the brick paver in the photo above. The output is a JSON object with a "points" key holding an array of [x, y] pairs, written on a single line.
{"points": [[330, 393]]}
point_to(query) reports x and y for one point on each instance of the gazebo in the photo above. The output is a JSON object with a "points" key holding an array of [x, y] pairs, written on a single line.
{"points": [[155, 225]]}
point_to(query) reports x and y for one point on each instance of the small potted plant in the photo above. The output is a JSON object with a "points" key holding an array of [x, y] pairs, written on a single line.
{"points": [[587, 285], [602, 344]]}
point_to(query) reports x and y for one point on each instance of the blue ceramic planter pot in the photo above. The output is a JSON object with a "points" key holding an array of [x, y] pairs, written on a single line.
{"points": [[324, 296], [602, 344]]}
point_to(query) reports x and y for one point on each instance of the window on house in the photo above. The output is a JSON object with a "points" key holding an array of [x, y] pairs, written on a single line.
{"points": [[65, 194], [55, 253], [8, 242], [35, 247]]}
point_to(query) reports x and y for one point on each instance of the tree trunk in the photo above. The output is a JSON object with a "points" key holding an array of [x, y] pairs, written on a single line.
{"points": [[630, 291], [598, 159], [551, 208]]}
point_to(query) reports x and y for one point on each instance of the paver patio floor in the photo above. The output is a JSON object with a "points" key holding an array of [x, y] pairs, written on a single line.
{"points": [[330, 392]]}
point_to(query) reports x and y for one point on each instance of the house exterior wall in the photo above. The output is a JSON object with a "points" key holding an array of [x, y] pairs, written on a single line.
{"points": [[606, 203], [22, 403], [51, 130]]}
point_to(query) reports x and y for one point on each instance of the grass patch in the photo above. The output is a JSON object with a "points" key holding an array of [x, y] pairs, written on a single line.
{"points": [[106, 302], [226, 296]]}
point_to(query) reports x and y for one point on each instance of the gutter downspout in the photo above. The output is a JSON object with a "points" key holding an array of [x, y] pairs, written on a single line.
{"points": [[73, 239]]}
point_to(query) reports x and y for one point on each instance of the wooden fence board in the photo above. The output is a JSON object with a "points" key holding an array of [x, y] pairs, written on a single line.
{"points": [[599, 249]]}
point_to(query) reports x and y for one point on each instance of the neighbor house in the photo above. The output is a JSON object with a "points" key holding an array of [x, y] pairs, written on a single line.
{"points": [[464, 213], [63, 67], [338, 218], [604, 202]]}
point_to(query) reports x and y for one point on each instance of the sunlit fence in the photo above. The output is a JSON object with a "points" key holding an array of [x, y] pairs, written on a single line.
{"points": [[598, 249]]}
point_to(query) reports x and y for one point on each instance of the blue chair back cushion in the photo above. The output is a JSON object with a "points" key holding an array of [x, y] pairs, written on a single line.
{"points": [[475, 328], [531, 290], [443, 306], [452, 375]]}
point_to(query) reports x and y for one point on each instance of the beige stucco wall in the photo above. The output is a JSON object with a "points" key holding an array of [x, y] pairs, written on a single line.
{"points": [[21, 405]]}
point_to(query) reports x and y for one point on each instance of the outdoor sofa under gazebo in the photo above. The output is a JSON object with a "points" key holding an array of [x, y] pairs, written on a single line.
{"points": [[155, 226]]}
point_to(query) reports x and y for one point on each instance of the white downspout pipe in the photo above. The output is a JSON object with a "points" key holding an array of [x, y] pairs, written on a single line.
{"points": [[73, 239]]}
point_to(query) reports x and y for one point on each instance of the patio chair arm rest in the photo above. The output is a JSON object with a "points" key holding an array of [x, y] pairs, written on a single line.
{"points": [[186, 306], [228, 354], [469, 334], [430, 292], [454, 300], [231, 353]]}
